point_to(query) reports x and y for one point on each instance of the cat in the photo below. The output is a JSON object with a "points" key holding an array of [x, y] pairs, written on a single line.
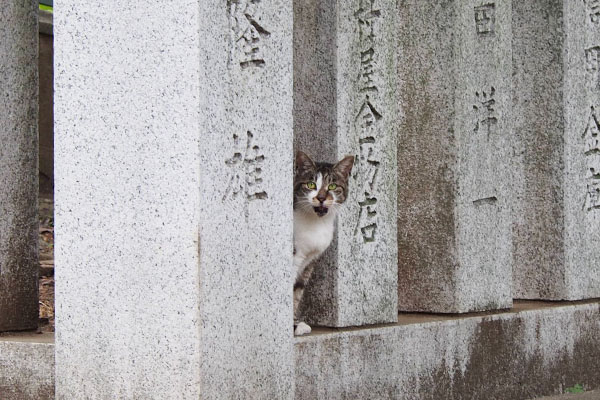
{"points": [[319, 190]]}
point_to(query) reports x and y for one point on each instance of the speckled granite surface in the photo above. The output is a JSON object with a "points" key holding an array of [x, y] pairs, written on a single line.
{"points": [[454, 156], [173, 163], [346, 103], [18, 165], [557, 155]]}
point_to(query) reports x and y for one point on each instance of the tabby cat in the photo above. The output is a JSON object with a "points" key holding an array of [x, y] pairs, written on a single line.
{"points": [[319, 190]]}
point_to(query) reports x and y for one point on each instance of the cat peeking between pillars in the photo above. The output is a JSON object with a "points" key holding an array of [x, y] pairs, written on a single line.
{"points": [[319, 190]]}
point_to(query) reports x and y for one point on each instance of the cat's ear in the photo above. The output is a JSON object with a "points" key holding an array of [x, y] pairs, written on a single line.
{"points": [[344, 167], [304, 163]]}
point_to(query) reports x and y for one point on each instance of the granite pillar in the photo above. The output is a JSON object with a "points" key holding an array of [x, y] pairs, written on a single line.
{"points": [[454, 177], [18, 166], [173, 159], [345, 104], [556, 94]]}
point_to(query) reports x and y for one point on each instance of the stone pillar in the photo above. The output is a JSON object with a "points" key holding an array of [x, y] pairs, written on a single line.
{"points": [[173, 202], [18, 166], [454, 189], [556, 107], [345, 103]]}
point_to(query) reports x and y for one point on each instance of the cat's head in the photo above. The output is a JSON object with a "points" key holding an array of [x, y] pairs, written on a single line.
{"points": [[320, 187]]}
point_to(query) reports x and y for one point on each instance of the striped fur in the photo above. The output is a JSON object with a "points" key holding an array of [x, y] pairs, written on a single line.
{"points": [[319, 190]]}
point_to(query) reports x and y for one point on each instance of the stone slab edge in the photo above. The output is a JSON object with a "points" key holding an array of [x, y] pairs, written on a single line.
{"points": [[26, 370], [503, 356]]}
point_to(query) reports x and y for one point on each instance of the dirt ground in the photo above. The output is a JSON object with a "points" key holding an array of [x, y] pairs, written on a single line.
{"points": [[46, 246]]}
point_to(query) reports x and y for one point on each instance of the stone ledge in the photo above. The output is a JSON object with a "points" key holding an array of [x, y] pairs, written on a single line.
{"points": [[27, 366], [533, 350]]}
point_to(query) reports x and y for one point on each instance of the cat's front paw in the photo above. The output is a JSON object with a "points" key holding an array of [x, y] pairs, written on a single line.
{"points": [[302, 329]]}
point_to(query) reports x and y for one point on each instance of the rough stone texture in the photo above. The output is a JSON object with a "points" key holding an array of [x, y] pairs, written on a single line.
{"points": [[539, 252], [18, 166], [173, 161], [556, 220], [530, 353], [246, 217], [454, 231], [538, 349], [344, 103], [27, 367], [582, 150], [46, 72]]}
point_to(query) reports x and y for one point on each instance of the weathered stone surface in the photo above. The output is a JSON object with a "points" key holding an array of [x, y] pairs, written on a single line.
{"points": [[557, 206], [18, 166], [454, 189], [246, 222], [538, 349], [507, 356], [345, 103], [173, 167], [27, 367]]}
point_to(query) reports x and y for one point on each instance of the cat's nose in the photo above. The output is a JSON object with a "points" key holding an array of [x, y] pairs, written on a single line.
{"points": [[321, 197]]}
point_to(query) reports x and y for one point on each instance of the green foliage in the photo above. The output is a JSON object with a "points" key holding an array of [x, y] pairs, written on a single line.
{"points": [[45, 7], [578, 388]]}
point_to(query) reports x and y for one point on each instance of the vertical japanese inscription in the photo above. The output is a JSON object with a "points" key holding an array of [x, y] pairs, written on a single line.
{"points": [[593, 10], [247, 33], [591, 148], [592, 64], [247, 39], [591, 134], [485, 114], [591, 153], [366, 121], [245, 169], [485, 19], [367, 15]]}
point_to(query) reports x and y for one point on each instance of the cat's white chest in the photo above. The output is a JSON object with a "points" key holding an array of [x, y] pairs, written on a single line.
{"points": [[312, 235]]}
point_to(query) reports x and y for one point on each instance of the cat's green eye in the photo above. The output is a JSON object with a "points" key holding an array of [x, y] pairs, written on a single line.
{"points": [[311, 185], [332, 186]]}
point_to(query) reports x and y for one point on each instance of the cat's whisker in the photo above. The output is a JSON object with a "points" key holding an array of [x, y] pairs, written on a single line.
{"points": [[306, 208], [304, 205]]}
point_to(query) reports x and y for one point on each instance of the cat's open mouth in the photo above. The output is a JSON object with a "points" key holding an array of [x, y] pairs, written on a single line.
{"points": [[320, 210]]}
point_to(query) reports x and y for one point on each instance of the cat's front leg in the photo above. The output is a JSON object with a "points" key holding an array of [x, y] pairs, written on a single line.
{"points": [[303, 272], [299, 264], [300, 327], [298, 293]]}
